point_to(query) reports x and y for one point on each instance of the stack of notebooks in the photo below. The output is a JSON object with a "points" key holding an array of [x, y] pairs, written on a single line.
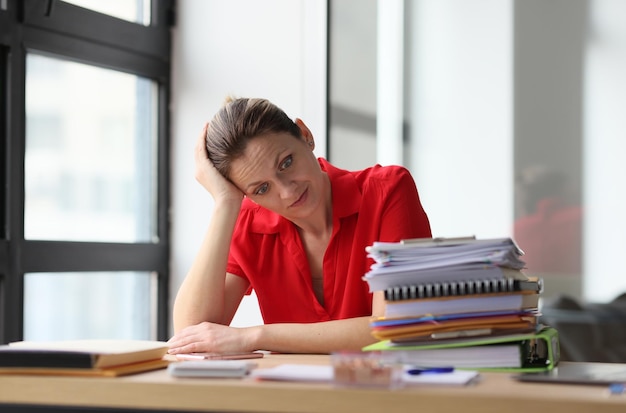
{"points": [[460, 302], [82, 357]]}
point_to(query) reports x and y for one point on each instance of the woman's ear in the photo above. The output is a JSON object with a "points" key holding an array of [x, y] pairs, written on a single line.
{"points": [[307, 136]]}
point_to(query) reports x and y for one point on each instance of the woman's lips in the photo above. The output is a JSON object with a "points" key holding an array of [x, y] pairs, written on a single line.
{"points": [[300, 200]]}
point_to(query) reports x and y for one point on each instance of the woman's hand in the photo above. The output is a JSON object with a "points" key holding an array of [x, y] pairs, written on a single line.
{"points": [[209, 177], [211, 338]]}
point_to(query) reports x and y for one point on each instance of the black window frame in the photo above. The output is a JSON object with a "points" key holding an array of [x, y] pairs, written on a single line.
{"points": [[77, 34]]}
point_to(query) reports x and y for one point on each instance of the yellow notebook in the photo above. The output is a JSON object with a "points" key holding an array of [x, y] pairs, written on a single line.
{"points": [[113, 371]]}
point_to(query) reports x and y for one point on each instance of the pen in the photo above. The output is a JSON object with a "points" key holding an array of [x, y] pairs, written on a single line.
{"points": [[414, 371], [617, 388]]}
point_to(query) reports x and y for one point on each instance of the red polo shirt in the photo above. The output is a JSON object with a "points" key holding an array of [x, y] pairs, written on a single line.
{"points": [[375, 204]]}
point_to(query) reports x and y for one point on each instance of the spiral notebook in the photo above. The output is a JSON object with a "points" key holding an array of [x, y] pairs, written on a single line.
{"points": [[463, 288], [501, 302]]}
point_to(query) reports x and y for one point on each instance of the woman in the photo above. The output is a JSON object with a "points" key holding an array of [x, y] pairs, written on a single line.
{"points": [[292, 227]]}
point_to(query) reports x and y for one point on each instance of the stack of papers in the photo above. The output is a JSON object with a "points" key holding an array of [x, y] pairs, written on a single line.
{"points": [[437, 260], [438, 290]]}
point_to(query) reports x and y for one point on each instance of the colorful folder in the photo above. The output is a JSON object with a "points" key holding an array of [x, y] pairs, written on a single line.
{"points": [[533, 351]]}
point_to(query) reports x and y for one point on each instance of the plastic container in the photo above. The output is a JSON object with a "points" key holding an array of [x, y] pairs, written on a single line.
{"points": [[366, 369]]}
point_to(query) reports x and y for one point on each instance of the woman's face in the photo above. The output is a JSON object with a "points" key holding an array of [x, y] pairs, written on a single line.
{"points": [[281, 173]]}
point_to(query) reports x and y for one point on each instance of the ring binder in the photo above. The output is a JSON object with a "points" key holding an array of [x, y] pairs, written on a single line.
{"points": [[463, 288], [539, 351]]}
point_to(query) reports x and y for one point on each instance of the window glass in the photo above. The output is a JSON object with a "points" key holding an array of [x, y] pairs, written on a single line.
{"points": [[60, 306], [604, 194], [503, 135], [90, 153], [352, 79], [136, 11]]}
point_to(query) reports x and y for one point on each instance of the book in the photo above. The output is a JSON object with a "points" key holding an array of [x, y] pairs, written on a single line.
{"points": [[113, 371], [466, 304], [82, 357], [451, 327], [463, 288], [533, 351], [210, 368]]}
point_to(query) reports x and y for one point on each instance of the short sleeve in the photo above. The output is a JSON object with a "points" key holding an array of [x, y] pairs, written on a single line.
{"points": [[403, 216]]}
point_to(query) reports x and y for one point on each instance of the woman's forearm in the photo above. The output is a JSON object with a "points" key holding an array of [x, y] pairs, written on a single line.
{"points": [[201, 295], [323, 337]]}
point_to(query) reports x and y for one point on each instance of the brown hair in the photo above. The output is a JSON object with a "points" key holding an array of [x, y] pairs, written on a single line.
{"points": [[237, 122]]}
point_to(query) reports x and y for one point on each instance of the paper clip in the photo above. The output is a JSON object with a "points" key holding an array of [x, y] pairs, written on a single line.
{"points": [[439, 240]]}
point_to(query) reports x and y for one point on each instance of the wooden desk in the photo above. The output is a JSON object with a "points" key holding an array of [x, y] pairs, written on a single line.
{"points": [[157, 391]]}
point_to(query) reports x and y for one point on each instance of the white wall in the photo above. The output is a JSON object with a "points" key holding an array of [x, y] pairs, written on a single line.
{"points": [[603, 152], [274, 49], [461, 114]]}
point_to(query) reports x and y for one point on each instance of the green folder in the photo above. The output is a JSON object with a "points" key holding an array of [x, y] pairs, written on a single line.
{"points": [[537, 351]]}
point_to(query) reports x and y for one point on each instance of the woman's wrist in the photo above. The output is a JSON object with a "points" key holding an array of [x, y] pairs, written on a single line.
{"points": [[231, 203], [253, 338]]}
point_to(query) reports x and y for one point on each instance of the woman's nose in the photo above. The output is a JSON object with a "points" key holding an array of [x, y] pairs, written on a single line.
{"points": [[286, 189]]}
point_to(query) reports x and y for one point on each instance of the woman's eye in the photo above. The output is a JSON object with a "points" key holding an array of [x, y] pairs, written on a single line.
{"points": [[261, 190], [286, 163]]}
